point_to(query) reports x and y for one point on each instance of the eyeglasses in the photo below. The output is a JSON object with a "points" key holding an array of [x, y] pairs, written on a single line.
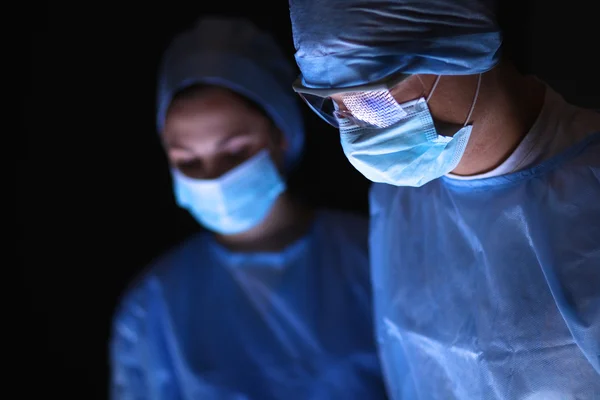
{"points": [[326, 107]]}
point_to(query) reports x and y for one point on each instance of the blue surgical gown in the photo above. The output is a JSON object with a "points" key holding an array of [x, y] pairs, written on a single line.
{"points": [[490, 288], [206, 323]]}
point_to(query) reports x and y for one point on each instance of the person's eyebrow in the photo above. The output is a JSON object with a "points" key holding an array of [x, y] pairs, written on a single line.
{"points": [[223, 142], [174, 144]]}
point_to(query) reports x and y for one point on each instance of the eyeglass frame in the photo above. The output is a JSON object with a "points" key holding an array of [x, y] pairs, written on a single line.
{"points": [[386, 83]]}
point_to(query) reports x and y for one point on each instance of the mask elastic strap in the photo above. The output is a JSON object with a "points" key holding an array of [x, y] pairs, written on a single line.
{"points": [[437, 80], [474, 100]]}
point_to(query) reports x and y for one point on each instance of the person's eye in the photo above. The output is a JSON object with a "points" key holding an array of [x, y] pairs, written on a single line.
{"points": [[189, 165], [240, 153]]}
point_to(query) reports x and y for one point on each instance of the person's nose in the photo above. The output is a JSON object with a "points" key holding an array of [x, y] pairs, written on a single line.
{"points": [[215, 167]]}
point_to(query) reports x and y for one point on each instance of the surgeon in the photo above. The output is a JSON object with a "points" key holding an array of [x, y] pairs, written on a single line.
{"points": [[485, 207], [273, 300]]}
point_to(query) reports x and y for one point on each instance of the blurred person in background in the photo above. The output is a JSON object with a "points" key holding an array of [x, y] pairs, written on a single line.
{"points": [[273, 300]]}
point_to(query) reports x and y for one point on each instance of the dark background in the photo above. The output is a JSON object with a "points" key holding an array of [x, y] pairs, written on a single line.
{"points": [[93, 200]]}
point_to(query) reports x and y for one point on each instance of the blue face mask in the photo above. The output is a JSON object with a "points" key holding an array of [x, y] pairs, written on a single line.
{"points": [[236, 201], [409, 152]]}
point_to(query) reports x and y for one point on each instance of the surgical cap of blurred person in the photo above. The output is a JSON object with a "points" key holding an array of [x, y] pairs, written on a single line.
{"points": [[343, 43], [235, 54]]}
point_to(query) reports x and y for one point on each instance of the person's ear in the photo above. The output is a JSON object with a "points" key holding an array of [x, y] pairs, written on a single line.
{"points": [[281, 141]]}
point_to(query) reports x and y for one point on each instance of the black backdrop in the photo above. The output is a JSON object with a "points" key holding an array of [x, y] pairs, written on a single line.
{"points": [[93, 199]]}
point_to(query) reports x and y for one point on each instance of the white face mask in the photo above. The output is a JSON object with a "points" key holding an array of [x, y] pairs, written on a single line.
{"points": [[403, 148], [236, 201]]}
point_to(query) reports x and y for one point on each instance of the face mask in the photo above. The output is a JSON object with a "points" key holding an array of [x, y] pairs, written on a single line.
{"points": [[236, 201], [408, 152]]}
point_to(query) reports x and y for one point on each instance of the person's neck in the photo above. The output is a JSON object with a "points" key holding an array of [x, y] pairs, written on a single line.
{"points": [[286, 222], [508, 106]]}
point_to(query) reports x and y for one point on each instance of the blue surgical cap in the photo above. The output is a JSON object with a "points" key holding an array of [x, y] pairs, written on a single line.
{"points": [[352, 42], [234, 53]]}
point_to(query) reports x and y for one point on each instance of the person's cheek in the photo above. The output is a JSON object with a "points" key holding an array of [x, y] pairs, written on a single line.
{"points": [[411, 89]]}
